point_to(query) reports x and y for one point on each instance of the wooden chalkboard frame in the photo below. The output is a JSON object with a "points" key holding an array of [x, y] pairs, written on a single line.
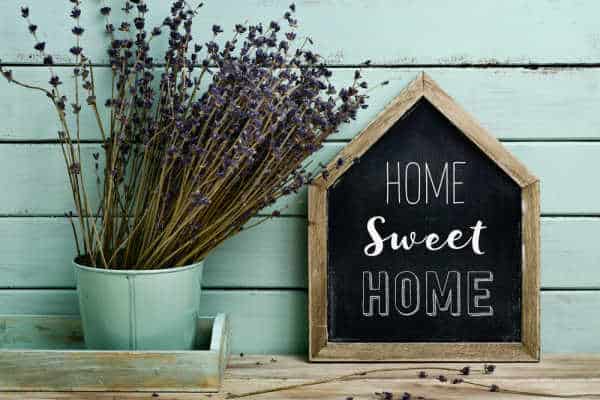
{"points": [[322, 350]]}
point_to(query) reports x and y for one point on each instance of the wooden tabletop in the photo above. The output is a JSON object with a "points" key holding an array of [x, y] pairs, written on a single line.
{"points": [[562, 376]]}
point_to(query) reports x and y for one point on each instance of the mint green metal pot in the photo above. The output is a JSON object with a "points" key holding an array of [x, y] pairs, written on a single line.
{"points": [[139, 309]]}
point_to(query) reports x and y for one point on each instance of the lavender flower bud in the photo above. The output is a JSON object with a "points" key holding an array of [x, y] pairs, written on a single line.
{"points": [[127, 8], [77, 31], [216, 29], [40, 46], [55, 81], [61, 103], [32, 28], [105, 11], [7, 73], [75, 12], [75, 50], [139, 23], [274, 26], [75, 168], [48, 60], [489, 368], [25, 12]]}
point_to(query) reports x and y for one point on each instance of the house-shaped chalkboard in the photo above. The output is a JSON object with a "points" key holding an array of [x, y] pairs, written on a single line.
{"points": [[424, 241]]}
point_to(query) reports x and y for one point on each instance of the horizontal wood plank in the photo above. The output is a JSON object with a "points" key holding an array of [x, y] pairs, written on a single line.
{"points": [[357, 388], [548, 103], [272, 321], [37, 252], [275, 321], [569, 375], [200, 370], [395, 32], [556, 374], [36, 176]]}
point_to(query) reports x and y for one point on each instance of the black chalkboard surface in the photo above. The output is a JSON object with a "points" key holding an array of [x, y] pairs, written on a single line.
{"points": [[424, 240]]}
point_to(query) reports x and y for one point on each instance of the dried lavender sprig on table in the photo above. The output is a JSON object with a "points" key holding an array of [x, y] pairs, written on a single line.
{"points": [[196, 148], [422, 374]]}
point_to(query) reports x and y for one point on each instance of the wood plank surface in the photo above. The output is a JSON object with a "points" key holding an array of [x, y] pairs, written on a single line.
{"points": [[514, 104], [37, 252], [562, 167], [35, 173], [555, 375], [275, 321], [262, 321], [395, 32], [200, 370], [38, 183]]}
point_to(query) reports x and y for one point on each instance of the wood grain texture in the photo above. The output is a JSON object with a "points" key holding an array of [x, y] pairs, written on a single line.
{"points": [[317, 268], [262, 321], [37, 252], [363, 388], [275, 321], [512, 103], [424, 32], [320, 348], [530, 269], [565, 374], [199, 370], [38, 182], [471, 128]]}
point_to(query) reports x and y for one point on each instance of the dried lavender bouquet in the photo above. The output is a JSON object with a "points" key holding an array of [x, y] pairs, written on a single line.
{"points": [[189, 162]]}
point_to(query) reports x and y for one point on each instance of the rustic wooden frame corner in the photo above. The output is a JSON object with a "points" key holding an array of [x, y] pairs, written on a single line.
{"points": [[321, 350]]}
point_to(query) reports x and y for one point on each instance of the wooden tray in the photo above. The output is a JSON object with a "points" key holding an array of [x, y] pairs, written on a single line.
{"points": [[72, 368]]}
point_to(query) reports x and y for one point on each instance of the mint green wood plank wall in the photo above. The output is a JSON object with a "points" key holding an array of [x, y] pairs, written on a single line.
{"points": [[526, 69]]}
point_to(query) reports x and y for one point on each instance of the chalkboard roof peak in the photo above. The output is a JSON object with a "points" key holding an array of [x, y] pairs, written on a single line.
{"points": [[424, 87]]}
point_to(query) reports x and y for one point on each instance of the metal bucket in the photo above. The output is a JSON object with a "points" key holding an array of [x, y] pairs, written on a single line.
{"points": [[139, 309]]}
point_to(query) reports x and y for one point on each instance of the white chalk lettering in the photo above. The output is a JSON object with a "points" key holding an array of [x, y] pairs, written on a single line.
{"points": [[372, 293], [443, 297], [476, 293], [406, 286], [422, 183], [438, 292], [432, 241]]}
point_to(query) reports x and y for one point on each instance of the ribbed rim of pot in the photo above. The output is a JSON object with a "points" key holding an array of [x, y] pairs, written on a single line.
{"points": [[137, 271]]}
